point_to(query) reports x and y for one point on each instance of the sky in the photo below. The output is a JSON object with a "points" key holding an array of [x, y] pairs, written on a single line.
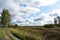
{"points": [[31, 12]]}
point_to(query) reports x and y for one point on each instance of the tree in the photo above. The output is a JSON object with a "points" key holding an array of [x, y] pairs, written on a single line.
{"points": [[5, 19], [49, 25], [55, 21], [16, 25], [58, 17]]}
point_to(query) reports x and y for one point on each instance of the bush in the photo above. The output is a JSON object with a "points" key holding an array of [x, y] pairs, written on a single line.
{"points": [[13, 26], [16, 25], [58, 25], [49, 26]]}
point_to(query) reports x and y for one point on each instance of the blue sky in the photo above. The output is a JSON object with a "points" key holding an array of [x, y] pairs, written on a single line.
{"points": [[50, 8], [32, 12]]}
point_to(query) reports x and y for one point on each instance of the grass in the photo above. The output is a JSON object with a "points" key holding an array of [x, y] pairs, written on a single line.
{"points": [[1, 33], [32, 33], [22, 37]]}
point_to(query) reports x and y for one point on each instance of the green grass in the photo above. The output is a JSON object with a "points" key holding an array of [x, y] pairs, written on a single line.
{"points": [[1, 33]]}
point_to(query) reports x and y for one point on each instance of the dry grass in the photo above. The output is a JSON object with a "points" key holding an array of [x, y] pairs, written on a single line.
{"points": [[37, 33]]}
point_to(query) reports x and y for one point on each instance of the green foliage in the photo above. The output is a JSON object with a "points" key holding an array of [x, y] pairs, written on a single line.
{"points": [[49, 26], [57, 20], [16, 25], [5, 20], [11, 25]]}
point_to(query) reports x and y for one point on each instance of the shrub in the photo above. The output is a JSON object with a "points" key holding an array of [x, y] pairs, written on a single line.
{"points": [[49, 26], [58, 25]]}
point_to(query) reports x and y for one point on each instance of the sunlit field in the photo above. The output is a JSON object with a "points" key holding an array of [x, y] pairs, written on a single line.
{"points": [[29, 33], [37, 33]]}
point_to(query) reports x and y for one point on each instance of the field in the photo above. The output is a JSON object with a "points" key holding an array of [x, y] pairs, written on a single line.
{"points": [[1, 34], [30, 33]]}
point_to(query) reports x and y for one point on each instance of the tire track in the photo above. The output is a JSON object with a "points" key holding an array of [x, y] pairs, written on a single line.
{"points": [[11, 36], [5, 37]]}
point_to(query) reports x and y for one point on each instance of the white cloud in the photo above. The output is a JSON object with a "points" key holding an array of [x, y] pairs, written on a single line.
{"points": [[46, 19], [15, 9], [37, 3], [30, 10], [57, 11], [49, 17], [43, 2]]}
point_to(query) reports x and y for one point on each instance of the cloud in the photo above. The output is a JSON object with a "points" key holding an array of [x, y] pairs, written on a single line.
{"points": [[56, 11], [39, 3], [28, 9], [36, 3], [48, 18]]}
